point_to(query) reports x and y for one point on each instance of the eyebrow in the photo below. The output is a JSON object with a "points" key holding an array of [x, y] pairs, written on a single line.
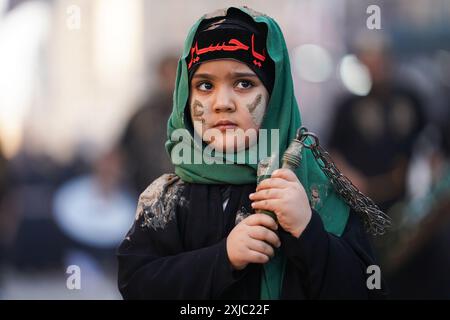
{"points": [[204, 76], [230, 75]]}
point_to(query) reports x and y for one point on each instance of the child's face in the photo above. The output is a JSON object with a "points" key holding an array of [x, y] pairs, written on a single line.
{"points": [[225, 96]]}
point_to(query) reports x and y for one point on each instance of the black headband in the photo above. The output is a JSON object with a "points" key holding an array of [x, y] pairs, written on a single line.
{"points": [[234, 36]]}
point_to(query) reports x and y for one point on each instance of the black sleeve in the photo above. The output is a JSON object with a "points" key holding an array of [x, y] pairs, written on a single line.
{"points": [[333, 267], [153, 265]]}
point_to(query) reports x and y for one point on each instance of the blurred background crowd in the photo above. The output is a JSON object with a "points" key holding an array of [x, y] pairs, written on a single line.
{"points": [[86, 91]]}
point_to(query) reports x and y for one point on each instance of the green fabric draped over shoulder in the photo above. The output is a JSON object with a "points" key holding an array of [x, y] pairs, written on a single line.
{"points": [[282, 113]]}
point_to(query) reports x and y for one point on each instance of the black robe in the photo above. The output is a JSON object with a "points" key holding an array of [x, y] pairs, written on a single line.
{"points": [[185, 256]]}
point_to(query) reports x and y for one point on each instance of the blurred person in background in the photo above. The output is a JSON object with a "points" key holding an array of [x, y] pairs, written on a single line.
{"points": [[145, 134], [372, 136], [37, 243], [5, 234], [417, 258], [96, 209], [4, 177]]}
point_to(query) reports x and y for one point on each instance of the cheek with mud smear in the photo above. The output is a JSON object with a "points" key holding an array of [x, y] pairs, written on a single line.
{"points": [[257, 109], [197, 111]]}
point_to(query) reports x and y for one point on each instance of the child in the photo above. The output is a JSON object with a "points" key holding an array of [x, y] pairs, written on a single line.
{"points": [[196, 235]]}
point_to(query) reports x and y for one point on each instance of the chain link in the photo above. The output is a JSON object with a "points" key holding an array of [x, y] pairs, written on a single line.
{"points": [[376, 221]]}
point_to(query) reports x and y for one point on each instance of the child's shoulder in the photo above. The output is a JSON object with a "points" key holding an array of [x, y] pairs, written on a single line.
{"points": [[160, 198]]}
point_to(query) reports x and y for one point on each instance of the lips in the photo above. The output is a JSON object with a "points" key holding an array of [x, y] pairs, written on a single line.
{"points": [[224, 124]]}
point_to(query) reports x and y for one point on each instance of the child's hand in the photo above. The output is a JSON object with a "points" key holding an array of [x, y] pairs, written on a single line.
{"points": [[250, 241], [284, 195]]}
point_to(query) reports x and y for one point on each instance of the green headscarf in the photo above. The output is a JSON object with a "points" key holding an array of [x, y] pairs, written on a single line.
{"points": [[282, 113]]}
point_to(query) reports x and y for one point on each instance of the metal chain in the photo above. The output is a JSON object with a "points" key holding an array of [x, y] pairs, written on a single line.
{"points": [[376, 221]]}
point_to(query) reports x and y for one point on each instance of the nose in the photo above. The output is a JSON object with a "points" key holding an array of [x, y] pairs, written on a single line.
{"points": [[224, 101]]}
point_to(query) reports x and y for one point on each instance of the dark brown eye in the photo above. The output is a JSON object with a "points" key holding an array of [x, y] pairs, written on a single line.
{"points": [[244, 84], [204, 86]]}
